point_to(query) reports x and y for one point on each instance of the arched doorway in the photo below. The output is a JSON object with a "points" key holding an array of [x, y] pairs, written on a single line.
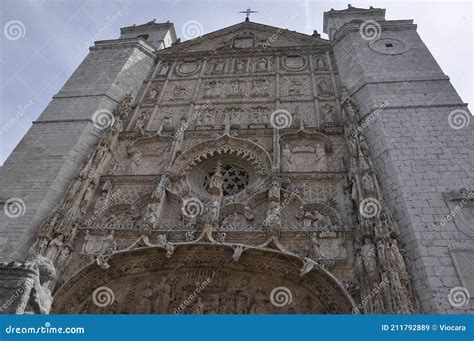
{"points": [[202, 278]]}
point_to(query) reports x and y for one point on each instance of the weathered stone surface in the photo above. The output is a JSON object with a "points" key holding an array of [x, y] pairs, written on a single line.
{"points": [[250, 144]]}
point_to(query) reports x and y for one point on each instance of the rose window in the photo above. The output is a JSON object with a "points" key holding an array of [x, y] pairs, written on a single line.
{"points": [[234, 179]]}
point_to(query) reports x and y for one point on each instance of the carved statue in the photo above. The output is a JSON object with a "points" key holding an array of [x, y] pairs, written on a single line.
{"points": [[274, 189], [164, 69], [215, 184], [295, 88], [398, 256], [198, 307], [165, 296], [140, 123], [368, 254], [234, 220], [381, 254], [54, 247], [368, 185], [349, 111], [329, 113], [287, 159], [151, 95], [314, 251], [324, 88], [259, 305], [240, 66], [321, 221], [144, 305], [40, 298], [236, 88], [321, 63]]}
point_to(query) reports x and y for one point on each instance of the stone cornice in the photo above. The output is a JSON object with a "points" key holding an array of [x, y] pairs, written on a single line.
{"points": [[256, 51], [139, 43], [389, 25]]}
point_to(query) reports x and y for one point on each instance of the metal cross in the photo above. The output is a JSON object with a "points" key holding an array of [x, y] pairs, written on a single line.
{"points": [[248, 12]]}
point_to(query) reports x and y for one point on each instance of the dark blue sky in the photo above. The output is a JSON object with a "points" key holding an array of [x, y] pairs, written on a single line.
{"points": [[43, 41]]}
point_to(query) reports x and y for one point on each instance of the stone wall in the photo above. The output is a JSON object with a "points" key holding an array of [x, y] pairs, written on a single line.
{"points": [[405, 102]]}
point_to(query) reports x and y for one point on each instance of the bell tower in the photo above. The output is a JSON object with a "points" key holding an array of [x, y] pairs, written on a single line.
{"points": [[417, 129], [42, 165]]}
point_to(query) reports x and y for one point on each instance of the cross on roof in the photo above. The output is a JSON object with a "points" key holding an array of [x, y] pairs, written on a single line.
{"points": [[248, 12]]}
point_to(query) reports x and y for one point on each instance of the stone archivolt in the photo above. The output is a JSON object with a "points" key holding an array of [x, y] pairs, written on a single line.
{"points": [[146, 281]]}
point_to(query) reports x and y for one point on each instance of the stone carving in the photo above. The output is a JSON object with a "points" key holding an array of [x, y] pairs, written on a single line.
{"points": [[217, 67], [179, 92], [54, 247], [324, 88], [320, 63], [305, 156], [187, 68], [329, 114], [164, 68], [240, 66], [316, 220], [295, 88], [140, 123], [152, 94], [259, 305], [294, 62], [261, 65], [245, 207], [26, 286], [212, 89], [236, 88], [368, 254], [261, 88]]}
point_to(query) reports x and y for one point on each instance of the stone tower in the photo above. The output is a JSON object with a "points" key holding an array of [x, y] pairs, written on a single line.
{"points": [[258, 169], [422, 145]]}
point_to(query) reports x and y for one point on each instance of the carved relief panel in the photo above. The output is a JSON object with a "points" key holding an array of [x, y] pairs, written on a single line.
{"points": [[296, 87], [186, 68], [294, 63], [169, 117], [179, 90], [153, 93]]}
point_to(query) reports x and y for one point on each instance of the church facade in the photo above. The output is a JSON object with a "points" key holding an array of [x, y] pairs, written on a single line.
{"points": [[251, 170]]}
